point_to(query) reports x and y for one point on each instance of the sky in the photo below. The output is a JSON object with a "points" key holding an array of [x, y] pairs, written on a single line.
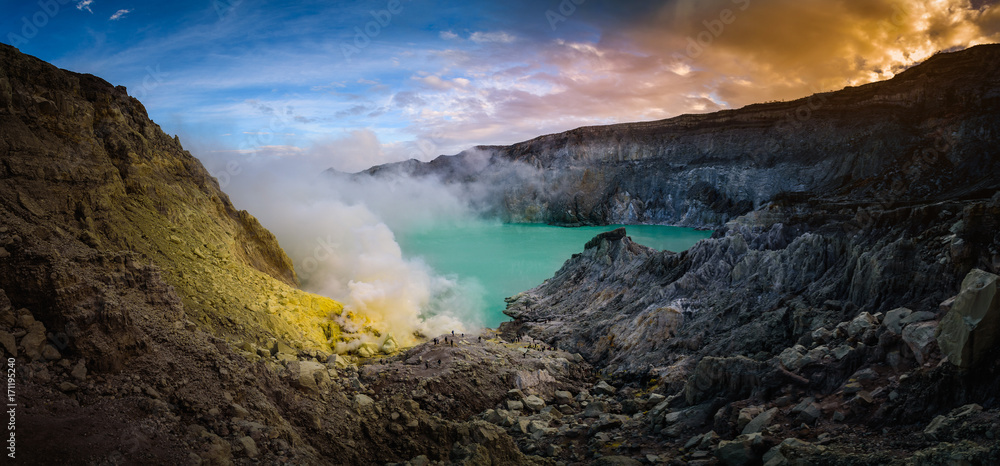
{"points": [[351, 84]]}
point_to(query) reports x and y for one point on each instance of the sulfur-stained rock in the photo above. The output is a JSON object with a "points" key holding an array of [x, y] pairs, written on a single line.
{"points": [[972, 328], [389, 346]]}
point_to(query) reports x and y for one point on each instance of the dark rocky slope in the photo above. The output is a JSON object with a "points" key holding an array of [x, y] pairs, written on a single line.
{"points": [[835, 300]]}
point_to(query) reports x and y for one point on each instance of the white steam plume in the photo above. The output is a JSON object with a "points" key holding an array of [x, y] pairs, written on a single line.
{"points": [[338, 232]]}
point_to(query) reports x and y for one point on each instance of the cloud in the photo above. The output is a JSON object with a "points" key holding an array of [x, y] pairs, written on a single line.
{"points": [[685, 56], [118, 14], [84, 5], [501, 37]]}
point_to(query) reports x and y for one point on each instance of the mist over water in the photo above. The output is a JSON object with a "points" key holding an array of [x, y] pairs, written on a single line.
{"points": [[411, 254]]}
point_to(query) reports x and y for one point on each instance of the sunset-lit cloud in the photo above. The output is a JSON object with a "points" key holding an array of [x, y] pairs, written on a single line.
{"points": [[430, 80]]}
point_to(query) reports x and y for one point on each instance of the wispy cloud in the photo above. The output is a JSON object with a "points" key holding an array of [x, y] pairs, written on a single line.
{"points": [[119, 14], [501, 37], [84, 5]]}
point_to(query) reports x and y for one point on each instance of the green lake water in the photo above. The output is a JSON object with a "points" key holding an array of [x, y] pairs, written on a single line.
{"points": [[501, 260]]}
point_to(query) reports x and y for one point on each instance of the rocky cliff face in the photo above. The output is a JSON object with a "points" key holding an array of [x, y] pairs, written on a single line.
{"points": [[926, 134], [90, 182]]}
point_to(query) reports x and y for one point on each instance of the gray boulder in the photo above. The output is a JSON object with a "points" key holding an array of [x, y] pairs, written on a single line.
{"points": [[893, 319], [739, 451], [603, 388], [940, 427], [920, 338], [760, 422], [860, 324], [534, 403], [972, 327]]}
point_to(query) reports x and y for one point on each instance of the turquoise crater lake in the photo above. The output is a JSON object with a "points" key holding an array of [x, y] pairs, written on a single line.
{"points": [[506, 259]]}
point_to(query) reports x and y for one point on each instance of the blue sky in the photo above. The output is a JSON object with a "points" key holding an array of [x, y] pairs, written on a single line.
{"points": [[349, 84]]}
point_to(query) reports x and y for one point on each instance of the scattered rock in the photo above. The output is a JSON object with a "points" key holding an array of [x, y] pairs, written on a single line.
{"points": [[740, 451], [615, 461], [653, 400], [363, 401], [893, 318], [79, 371], [595, 409], [563, 397], [534, 403], [35, 338], [8, 343], [538, 382], [249, 446], [860, 324], [791, 451], [920, 316], [822, 335], [282, 351], [307, 375], [50, 353], [760, 422], [940, 427], [920, 338], [603, 388], [746, 415]]}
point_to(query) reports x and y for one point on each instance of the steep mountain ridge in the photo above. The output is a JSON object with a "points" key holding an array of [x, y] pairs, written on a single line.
{"points": [[87, 176], [927, 130]]}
